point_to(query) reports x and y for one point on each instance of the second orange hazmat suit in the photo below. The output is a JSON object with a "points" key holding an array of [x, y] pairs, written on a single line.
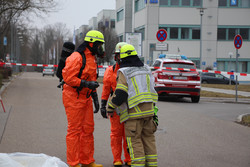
{"points": [[117, 129]]}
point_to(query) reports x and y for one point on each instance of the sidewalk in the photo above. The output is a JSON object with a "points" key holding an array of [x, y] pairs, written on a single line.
{"points": [[232, 92], [227, 100]]}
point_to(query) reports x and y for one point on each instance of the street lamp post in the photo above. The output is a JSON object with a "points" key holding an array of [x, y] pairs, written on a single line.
{"points": [[201, 14]]}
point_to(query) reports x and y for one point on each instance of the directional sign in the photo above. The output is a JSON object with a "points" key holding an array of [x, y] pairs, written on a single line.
{"points": [[161, 35], [238, 41]]}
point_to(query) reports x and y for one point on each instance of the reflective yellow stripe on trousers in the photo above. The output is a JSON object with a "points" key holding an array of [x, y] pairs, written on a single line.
{"points": [[136, 162]]}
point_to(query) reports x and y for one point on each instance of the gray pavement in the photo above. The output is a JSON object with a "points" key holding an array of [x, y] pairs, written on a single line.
{"points": [[184, 137]]}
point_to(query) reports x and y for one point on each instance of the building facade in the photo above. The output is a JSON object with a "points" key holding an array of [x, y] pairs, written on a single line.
{"points": [[106, 18], [199, 29]]}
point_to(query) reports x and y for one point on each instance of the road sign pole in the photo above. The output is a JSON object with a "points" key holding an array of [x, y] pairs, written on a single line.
{"points": [[237, 43], [236, 84]]}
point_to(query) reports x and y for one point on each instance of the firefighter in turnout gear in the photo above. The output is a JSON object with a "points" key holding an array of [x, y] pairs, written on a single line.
{"points": [[134, 100], [78, 94], [117, 135]]}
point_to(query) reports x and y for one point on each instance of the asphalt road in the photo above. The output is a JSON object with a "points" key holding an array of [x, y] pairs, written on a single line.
{"points": [[190, 135]]}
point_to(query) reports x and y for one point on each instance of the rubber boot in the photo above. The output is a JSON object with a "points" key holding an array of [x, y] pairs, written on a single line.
{"points": [[128, 164], [93, 164], [118, 164], [75, 165]]}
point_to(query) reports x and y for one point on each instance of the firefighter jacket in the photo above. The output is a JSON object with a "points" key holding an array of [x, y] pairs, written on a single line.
{"points": [[138, 84]]}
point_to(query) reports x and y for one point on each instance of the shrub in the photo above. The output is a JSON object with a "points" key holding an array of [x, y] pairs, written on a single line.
{"points": [[4, 73]]}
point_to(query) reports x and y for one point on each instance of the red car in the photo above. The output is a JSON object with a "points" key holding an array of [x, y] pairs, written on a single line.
{"points": [[176, 76]]}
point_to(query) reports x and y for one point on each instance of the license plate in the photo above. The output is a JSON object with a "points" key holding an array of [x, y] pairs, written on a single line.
{"points": [[182, 78]]}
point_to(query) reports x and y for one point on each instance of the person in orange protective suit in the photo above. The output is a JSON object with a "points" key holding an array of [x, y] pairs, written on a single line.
{"points": [[77, 93], [117, 129]]}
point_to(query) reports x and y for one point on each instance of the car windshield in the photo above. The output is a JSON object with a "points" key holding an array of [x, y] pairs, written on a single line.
{"points": [[179, 65]]}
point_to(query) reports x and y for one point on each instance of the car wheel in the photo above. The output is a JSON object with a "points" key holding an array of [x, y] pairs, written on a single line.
{"points": [[52, 75], [43, 75], [195, 99], [205, 82]]}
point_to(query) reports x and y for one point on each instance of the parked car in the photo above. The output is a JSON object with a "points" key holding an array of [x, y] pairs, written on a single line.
{"points": [[214, 78], [175, 76], [48, 71]]}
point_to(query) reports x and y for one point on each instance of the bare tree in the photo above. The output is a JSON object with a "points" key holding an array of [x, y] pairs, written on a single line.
{"points": [[15, 14], [111, 40], [12, 10]]}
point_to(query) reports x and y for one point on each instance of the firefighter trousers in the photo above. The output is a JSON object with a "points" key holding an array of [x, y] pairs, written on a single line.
{"points": [[141, 141]]}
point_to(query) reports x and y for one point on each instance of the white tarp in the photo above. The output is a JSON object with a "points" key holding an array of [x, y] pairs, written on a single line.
{"points": [[29, 160]]}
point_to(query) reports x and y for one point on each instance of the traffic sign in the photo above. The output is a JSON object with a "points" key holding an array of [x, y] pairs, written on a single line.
{"points": [[238, 41], [161, 35]]}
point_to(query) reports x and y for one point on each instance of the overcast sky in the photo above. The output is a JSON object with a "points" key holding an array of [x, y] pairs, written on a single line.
{"points": [[75, 12]]}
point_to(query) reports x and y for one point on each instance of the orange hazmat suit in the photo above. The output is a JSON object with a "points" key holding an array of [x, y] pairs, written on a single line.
{"points": [[117, 129]]}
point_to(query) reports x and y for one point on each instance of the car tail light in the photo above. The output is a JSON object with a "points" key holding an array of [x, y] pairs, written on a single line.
{"points": [[161, 76], [52, 70], [194, 78], [43, 69]]}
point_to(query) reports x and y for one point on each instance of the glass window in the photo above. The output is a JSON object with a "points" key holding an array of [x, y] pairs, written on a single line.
{"points": [[112, 24], [157, 63], [244, 66], [245, 3], [120, 15], [139, 4], [244, 32], [196, 2], [184, 33], [219, 76], [185, 2], [222, 2], [174, 2], [173, 33], [142, 31], [120, 38], [195, 33], [163, 2], [106, 23], [231, 33], [179, 65], [221, 34]]}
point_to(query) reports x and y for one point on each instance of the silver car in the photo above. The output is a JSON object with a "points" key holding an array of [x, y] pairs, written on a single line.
{"points": [[48, 71]]}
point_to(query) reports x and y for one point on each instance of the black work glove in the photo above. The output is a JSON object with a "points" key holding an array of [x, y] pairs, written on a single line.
{"points": [[103, 108], [96, 102], [88, 84]]}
